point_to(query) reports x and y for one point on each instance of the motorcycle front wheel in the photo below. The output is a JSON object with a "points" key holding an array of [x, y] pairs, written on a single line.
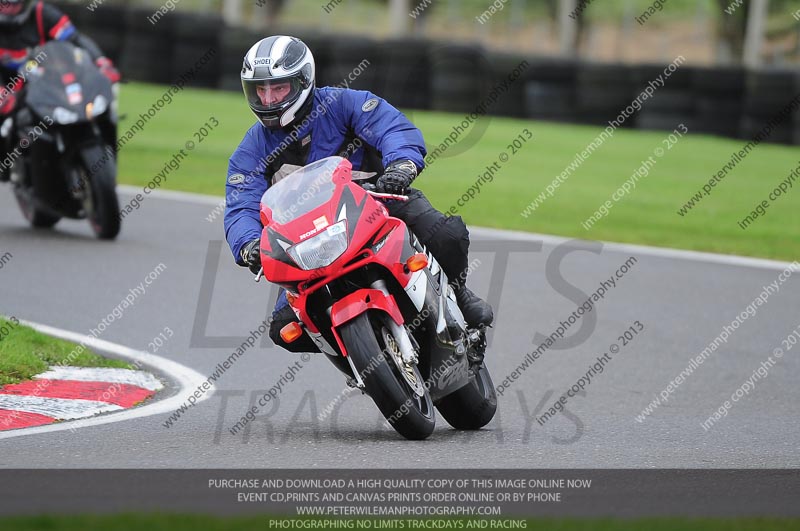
{"points": [[412, 415], [99, 172], [35, 216]]}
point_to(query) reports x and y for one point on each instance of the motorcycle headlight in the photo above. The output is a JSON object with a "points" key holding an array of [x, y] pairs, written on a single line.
{"points": [[99, 105], [320, 250], [64, 116]]}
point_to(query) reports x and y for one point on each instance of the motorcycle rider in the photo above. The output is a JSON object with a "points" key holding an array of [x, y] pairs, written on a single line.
{"points": [[25, 24], [299, 123]]}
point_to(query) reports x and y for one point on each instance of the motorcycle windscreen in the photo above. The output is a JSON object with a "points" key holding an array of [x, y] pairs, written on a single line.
{"points": [[66, 78], [302, 190]]}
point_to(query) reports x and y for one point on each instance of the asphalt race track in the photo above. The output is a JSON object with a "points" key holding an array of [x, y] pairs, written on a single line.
{"points": [[67, 279]]}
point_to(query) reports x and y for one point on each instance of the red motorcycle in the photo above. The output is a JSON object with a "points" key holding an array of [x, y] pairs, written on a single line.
{"points": [[373, 300]]}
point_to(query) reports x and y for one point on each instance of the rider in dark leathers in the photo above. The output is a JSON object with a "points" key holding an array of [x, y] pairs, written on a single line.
{"points": [[23, 25]]}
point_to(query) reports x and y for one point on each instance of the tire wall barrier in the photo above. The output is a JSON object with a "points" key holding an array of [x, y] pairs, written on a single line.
{"points": [[422, 74]]}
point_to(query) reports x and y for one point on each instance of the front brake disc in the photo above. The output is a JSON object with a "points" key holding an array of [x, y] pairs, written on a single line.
{"points": [[409, 371]]}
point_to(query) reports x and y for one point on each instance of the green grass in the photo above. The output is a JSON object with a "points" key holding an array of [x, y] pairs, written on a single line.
{"points": [[25, 352], [208, 523], [646, 216]]}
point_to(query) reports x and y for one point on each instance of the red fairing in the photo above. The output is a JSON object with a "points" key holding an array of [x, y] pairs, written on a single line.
{"points": [[359, 302], [367, 220]]}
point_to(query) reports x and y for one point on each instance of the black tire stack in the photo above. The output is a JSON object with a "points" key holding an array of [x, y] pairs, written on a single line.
{"points": [[768, 93], [197, 35], [419, 74], [510, 102], [550, 90], [459, 77], [147, 48], [107, 31], [719, 99], [343, 60], [671, 104], [796, 126], [405, 80], [602, 92]]}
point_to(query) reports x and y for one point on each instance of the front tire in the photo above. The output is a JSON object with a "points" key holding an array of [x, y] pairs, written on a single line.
{"points": [[35, 216], [472, 406], [410, 415], [102, 205]]}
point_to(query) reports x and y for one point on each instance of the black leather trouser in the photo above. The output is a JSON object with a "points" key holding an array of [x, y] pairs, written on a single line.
{"points": [[446, 237]]}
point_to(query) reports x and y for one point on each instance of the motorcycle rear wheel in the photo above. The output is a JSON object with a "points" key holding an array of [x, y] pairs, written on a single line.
{"points": [[472, 406], [410, 415]]}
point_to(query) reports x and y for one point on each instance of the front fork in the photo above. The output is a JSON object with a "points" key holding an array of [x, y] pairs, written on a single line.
{"points": [[376, 297], [404, 341]]}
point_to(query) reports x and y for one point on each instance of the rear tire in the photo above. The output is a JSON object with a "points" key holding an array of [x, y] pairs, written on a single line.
{"points": [[102, 205], [473, 406], [385, 386]]}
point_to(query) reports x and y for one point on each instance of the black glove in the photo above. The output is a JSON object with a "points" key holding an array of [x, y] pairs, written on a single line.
{"points": [[251, 255], [397, 177]]}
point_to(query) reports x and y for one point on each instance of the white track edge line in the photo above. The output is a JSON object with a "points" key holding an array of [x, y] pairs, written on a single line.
{"points": [[664, 252], [174, 195], [110, 375], [186, 377]]}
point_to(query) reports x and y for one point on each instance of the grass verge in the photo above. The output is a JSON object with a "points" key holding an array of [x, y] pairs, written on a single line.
{"points": [[647, 215], [24, 352]]}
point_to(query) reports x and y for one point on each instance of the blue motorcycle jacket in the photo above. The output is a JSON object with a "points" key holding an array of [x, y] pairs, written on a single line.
{"points": [[356, 124]]}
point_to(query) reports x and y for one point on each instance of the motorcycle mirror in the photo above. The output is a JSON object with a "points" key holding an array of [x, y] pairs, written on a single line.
{"points": [[266, 215]]}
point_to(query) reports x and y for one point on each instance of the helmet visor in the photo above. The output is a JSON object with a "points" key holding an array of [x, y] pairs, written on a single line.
{"points": [[267, 95]]}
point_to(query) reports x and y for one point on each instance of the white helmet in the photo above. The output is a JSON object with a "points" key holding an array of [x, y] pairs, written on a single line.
{"points": [[278, 80]]}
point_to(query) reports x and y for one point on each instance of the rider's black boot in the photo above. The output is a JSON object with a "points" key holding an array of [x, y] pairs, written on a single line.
{"points": [[476, 311]]}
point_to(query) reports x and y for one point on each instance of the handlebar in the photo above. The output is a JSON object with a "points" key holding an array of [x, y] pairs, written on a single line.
{"points": [[380, 195]]}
